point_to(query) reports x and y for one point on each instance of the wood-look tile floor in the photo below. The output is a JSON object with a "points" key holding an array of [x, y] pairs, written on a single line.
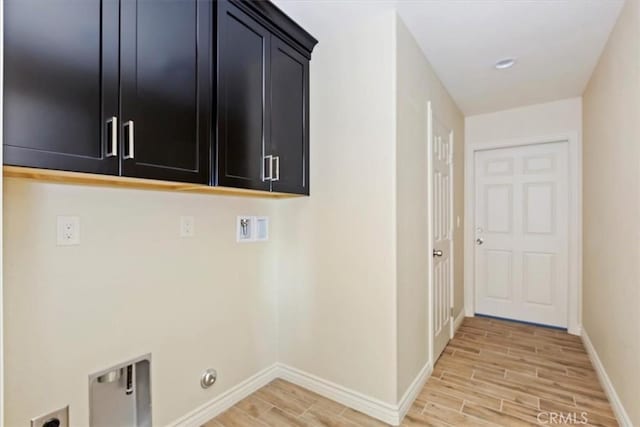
{"points": [[492, 373]]}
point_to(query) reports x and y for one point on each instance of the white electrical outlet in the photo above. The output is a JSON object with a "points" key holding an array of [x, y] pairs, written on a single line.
{"points": [[58, 418], [244, 229], [187, 226], [68, 230], [261, 228]]}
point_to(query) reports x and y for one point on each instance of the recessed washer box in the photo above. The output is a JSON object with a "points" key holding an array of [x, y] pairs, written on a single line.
{"points": [[252, 229], [244, 229], [121, 395]]}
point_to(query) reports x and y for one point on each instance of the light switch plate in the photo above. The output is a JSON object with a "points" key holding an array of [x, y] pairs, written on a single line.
{"points": [[187, 226], [68, 230]]}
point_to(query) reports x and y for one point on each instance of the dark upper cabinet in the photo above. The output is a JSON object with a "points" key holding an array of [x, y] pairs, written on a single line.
{"points": [[198, 91], [109, 87], [243, 93], [289, 119], [263, 99], [165, 89], [60, 84]]}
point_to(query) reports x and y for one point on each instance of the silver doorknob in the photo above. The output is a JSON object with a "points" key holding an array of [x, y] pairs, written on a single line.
{"points": [[479, 240], [437, 252]]}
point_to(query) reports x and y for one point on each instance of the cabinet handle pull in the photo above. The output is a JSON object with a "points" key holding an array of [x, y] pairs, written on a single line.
{"points": [[277, 168], [128, 127], [129, 381], [113, 124], [267, 163]]}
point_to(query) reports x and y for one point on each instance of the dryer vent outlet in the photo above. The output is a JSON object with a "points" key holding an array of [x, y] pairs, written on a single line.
{"points": [[208, 378]]}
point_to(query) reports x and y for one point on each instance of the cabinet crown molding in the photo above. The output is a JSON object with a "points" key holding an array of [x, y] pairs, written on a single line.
{"points": [[278, 21]]}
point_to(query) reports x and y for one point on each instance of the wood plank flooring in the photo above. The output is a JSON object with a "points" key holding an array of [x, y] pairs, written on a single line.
{"points": [[492, 373]]}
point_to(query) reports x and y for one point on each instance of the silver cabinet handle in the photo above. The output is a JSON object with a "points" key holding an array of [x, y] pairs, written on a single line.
{"points": [[129, 380], [267, 164], [128, 127], [437, 252], [479, 240], [113, 124], [277, 168]]}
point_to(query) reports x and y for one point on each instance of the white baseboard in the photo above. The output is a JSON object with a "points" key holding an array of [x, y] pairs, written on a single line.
{"points": [[458, 320], [226, 400], [614, 399], [368, 405], [383, 411], [575, 330], [414, 389]]}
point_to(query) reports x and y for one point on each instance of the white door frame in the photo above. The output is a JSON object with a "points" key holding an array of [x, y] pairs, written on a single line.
{"points": [[574, 310], [430, 302]]}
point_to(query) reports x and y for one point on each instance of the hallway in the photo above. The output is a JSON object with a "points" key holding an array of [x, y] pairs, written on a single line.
{"points": [[507, 373], [492, 373]]}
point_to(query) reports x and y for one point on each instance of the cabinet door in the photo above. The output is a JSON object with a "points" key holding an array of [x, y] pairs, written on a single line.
{"points": [[60, 84], [289, 115], [165, 89], [243, 94]]}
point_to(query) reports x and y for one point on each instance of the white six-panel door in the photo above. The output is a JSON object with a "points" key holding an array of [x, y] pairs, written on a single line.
{"points": [[521, 220], [442, 231]]}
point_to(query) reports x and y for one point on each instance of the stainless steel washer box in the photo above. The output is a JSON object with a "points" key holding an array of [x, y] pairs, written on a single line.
{"points": [[121, 395]]}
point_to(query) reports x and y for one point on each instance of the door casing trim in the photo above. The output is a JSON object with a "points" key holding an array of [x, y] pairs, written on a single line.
{"points": [[1, 218], [574, 309]]}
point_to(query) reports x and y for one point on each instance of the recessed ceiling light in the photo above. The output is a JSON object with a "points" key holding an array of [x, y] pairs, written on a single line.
{"points": [[505, 63]]}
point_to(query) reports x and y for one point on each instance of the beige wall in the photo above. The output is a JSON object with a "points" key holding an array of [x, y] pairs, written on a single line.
{"points": [[417, 84], [340, 279], [353, 274], [611, 273], [337, 252], [131, 287], [548, 119]]}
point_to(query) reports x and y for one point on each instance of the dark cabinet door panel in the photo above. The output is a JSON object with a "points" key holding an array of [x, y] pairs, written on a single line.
{"points": [[60, 84], [289, 118], [166, 103], [243, 92]]}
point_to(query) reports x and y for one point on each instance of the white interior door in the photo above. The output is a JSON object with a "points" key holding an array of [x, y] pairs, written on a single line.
{"points": [[521, 220], [442, 231]]}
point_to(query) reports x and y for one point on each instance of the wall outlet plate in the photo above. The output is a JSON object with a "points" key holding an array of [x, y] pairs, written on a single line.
{"points": [[187, 226], [244, 229], [58, 418], [68, 230]]}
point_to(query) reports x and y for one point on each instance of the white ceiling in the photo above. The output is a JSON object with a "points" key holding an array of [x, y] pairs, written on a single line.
{"points": [[557, 43]]}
